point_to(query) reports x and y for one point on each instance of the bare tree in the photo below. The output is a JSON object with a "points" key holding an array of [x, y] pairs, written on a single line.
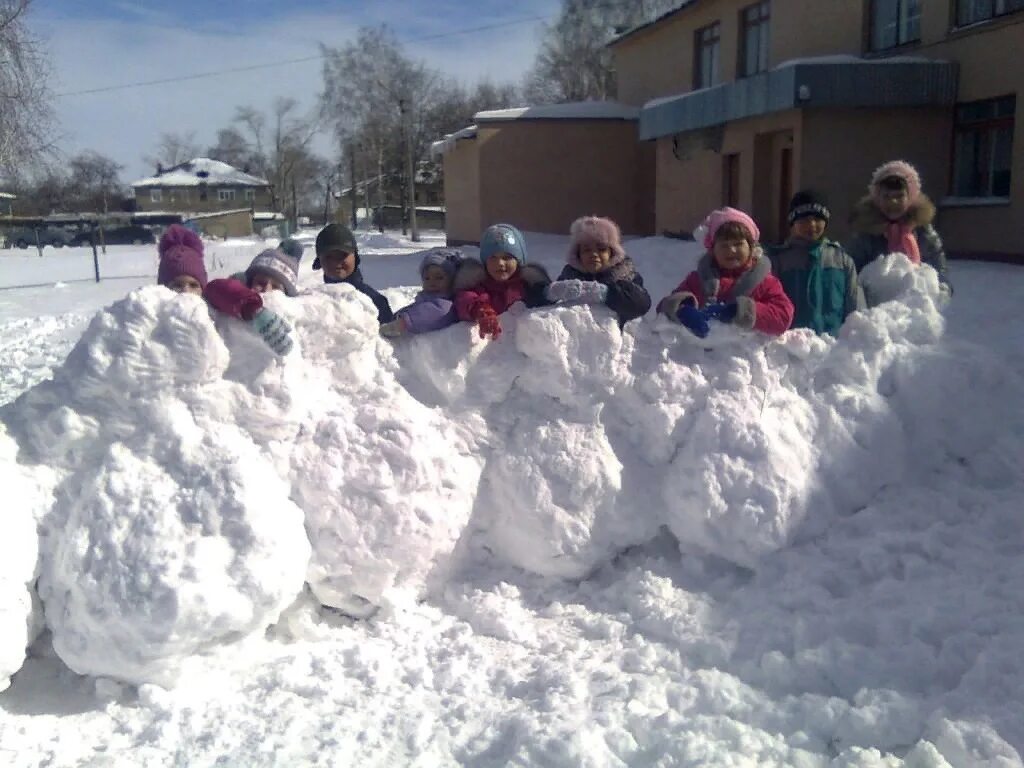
{"points": [[173, 149], [233, 148], [95, 181], [26, 114]]}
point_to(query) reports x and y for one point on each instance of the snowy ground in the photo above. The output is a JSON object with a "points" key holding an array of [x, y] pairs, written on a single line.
{"points": [[878, 625]]}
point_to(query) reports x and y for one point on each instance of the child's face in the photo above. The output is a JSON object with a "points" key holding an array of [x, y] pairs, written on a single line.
{"points": [[809, 228], [731, 252], [265, 283], [186, 284], [501, 266], [894, 203], [436, 280], [338, 264], [594, 258]]}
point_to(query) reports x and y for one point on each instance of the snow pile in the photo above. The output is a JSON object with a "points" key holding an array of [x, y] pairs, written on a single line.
{"points": [[204, 479]]}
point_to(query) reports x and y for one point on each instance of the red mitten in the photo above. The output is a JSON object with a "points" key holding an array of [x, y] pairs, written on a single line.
{"points": [[488, 323], [233, 298]]}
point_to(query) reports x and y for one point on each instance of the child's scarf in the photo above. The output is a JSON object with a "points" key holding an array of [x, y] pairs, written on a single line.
{"points": [[900, 235]]}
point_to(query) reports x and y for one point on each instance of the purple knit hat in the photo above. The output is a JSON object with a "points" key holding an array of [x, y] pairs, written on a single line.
{"points": [[181, 253], [594, 230], [899, 169]]}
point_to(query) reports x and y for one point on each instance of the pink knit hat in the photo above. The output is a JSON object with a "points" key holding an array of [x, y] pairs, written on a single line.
{"points": [[722, 216], [901, 169], [181, 253], [594, 230]]}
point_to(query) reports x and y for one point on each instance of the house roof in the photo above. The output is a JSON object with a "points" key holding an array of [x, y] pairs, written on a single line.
{"points": [[576, 110], [653, 22], [201, 170], [447, 144]]}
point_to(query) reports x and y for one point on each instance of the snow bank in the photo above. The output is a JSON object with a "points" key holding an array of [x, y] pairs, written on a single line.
{"points": [[204, 479]]}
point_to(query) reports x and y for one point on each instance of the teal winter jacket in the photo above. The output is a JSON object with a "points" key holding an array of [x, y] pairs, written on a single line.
{"points": [[821, 280]]}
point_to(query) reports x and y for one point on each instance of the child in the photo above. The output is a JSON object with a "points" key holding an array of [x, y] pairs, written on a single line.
{"points": [[819, 277], [275, 269], [338, 255], [599, 271], [182, 270], [433, 308], [896, 217], [733, 282], [502, 277]]}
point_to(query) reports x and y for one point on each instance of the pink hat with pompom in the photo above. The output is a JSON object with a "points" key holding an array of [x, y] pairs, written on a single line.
{"points": [[181, 253], [899, 169], [717, 218]]}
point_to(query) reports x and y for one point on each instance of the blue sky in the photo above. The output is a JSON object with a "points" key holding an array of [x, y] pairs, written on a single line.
{"points": [[109, 42]]}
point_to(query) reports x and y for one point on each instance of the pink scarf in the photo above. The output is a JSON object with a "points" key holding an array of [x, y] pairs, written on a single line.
{"points": [[901, 240]]}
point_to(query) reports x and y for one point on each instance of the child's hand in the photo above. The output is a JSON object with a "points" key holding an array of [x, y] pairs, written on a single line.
{"points": [[565, 290], [488, 323], [722, 312], [593, 292], [393, 329], [275, 331], [694, 319]]}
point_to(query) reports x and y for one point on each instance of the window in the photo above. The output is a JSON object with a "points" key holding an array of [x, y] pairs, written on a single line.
{"points": [[705, 56], [250, 194], [156, 195], [894, 22], [973, 11], [225, 194], [754, 38], [983, 148], [731, 180]]}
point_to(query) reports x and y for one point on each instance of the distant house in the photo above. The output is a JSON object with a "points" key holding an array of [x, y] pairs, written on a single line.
{"points": [[201, 185]]}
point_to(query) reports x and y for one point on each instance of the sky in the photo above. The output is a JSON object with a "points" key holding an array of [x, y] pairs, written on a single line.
{"points": [[102, 43]]}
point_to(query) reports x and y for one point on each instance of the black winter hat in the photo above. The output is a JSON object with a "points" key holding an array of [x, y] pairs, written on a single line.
{"points": [[335, 237], [808, 203]]}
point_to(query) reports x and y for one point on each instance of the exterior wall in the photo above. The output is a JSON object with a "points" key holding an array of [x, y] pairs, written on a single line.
{"points": [[187, 199], [462, 192], [838, 27], [542, 174], [235, 224], [690, 180]]}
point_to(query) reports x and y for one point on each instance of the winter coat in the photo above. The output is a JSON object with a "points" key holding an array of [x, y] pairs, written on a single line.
{"points": [[475, 288], [428, 312], [869, 240], [232, 297], [384, 313], [761, 303], [821, 280], [627, 296]]}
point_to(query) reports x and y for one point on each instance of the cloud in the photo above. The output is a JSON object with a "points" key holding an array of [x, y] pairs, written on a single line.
{"points": [[126, 124]]}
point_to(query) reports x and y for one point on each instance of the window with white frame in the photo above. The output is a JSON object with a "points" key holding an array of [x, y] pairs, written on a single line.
{"points": [[156, 195], [973, 11], [983, 148], [754, 26], [894, 23], [225, 195], [250, 194], [705, 56]]}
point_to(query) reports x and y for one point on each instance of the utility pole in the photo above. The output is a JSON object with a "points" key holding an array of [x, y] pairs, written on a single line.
{"points": [[410, 172], [352, 181]]}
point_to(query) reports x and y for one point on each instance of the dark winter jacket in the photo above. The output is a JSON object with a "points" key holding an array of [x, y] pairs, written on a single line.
{"points": [[627, 296], [821, 281], [384, 313], [869, 240], [429, 312], [474, 289]]}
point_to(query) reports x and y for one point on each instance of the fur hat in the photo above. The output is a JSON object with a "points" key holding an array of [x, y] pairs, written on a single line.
{"points": [[725, 215], [335, 237], [808, 203], [447, 259], [277, 264], [899, 169], [181, 253], [594, 230], [504, 238]]}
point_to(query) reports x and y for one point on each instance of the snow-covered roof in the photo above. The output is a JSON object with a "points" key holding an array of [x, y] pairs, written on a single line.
{"points": [[576, 110], [7, 196], [447, 144], [846, 58], [268, 216], [215, 214], [201, 170]]}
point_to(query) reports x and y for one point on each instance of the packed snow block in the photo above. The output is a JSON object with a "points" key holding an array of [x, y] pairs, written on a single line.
{"points": [[894, 275], [550, 501], [20, 612], [168, 547], [387, 486]]}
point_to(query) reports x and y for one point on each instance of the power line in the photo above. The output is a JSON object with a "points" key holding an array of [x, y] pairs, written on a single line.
{"points": [[285, 62]]}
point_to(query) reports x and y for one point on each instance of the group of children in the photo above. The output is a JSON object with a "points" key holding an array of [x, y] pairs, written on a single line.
{"points": [[809, 281]]}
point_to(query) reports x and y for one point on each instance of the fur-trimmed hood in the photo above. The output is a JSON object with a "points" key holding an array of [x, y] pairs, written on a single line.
{"points": [[472, 273], [623, 269], [869, 219]]}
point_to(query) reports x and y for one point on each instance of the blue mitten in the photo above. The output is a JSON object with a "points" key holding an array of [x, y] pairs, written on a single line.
{"points": [[725, 313], [593, 292], [565, 290], [275, 331], [694, 319]]}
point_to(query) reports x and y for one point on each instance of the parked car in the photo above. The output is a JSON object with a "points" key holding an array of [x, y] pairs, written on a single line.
{"points": [[25, 237], [130, 234]]}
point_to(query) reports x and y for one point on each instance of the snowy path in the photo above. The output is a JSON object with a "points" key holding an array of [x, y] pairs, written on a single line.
{"points": [[891, 639]]}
